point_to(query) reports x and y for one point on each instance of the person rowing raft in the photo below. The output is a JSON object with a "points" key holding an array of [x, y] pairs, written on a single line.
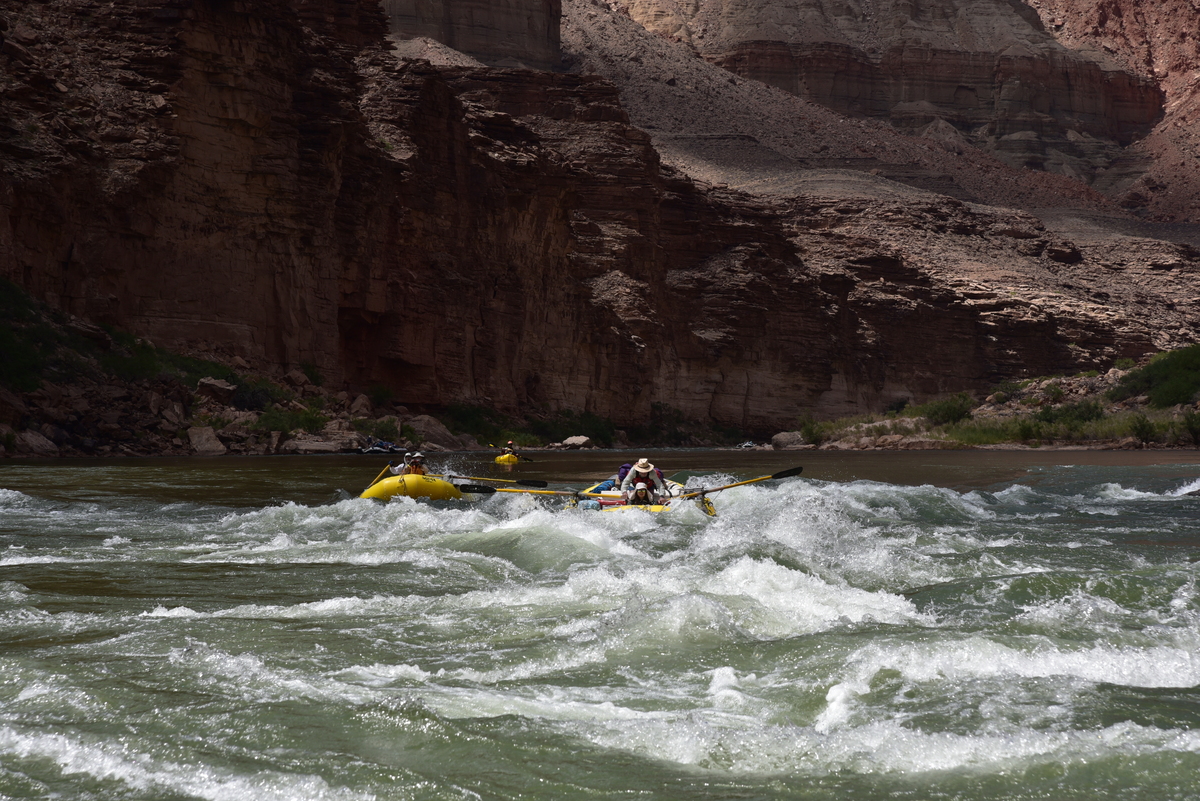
{"points": [[414, 465], [643, 473]]}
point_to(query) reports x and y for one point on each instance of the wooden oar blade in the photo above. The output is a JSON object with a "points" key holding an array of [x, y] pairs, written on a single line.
{"points": [[476, 489]]}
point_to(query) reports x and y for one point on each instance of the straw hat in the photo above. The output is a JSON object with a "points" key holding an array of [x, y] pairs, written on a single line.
{"points": [[643, 465]]}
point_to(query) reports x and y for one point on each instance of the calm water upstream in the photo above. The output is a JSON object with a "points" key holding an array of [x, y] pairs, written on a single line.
{"points": [[911, 625]]}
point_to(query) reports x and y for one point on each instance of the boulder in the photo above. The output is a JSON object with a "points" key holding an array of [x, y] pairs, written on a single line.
{"points": [[204, 441], [310, 446], [430, 429], [787, 441], [35, 443], [297, 378], [217, 389], [361, 407], [469, 443], [173, 413], [577, 442]]}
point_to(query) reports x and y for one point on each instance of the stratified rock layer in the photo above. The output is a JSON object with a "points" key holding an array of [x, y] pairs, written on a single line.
{"points": [[987, 67], [266, 180]]}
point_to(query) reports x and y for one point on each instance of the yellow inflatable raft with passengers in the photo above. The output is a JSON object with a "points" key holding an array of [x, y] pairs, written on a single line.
{"points": [[412, 486]]}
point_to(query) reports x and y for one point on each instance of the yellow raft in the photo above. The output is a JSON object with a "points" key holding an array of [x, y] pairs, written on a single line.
{"points": [[435, 489], [507, 458]]}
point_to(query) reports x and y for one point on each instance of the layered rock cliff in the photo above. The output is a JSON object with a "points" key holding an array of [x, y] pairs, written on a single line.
{"points": [[986, 67], [267, 180], [1158, 175]]}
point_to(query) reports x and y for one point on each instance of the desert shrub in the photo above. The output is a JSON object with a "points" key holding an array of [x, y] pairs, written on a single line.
{"points": [[1071, 415], [485, 425], [312, 373], [1027, 429], [1190, 424], [814, 432], [565, 424], [1170, 378], [979, 432], [309, 420], [385, 430], [380, 395], [947, 411], [1141, 427]]}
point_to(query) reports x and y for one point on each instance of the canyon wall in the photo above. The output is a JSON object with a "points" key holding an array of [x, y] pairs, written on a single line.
{"points": [[987, 67], [512, 33], [267, 180]]}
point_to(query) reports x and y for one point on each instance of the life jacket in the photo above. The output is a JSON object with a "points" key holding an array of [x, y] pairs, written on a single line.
{"points": [[661, 481], [413, 470]]}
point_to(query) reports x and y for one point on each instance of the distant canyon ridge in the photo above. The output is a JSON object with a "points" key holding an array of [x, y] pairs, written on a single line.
{"points": [[747, 211]]}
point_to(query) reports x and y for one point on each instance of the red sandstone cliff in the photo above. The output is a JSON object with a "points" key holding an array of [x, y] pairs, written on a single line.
{"points": [[267, 180]]}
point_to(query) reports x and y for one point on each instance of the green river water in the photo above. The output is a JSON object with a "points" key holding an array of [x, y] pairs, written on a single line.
{"points": [[980, 625]]}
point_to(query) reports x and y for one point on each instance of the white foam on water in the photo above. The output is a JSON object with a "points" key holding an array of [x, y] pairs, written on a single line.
{"points": [[744, 745], [12, 499], [1116, 492], [1166, 665], [10, 559], [246, 676], [113, 760], [379, 675], [787, 603], [1191, 486]]}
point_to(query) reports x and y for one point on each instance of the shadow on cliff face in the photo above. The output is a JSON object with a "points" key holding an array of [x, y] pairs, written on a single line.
{"points": [[289, 192]]}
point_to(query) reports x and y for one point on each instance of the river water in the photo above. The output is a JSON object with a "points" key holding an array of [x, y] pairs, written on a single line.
{"points": [[906, 625]]}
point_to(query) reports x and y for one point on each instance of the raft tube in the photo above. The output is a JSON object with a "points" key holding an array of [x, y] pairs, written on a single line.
{"points": [[507, 458], [413, 487]]}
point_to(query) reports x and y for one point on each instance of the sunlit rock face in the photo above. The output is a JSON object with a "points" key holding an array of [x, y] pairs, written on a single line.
{"points": [[987, 67], [510, 33]]}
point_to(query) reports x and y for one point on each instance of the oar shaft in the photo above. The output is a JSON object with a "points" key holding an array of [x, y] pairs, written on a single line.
{"points": [[538, 491], [381, 472], [528, 482], [793, 471]]}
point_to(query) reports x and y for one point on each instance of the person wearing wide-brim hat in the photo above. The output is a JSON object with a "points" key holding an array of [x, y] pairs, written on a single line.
{"points": [[643, 472], [414, 465]]}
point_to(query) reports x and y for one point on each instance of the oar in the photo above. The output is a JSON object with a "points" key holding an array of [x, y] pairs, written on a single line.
{"points": [[791, 471], [381, 472], [525, 482], [542, 492], [476, 489]]}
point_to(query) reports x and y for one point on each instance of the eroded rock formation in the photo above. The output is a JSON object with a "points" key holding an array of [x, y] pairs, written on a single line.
{"points": [[986, 67], [268, 180]]}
